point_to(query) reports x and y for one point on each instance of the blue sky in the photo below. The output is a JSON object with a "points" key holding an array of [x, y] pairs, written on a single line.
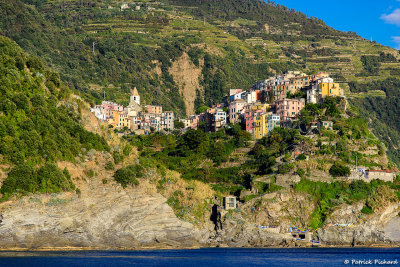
{"points": [[379, 19]]}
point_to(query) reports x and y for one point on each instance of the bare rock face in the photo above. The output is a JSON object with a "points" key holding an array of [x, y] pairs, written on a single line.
{"points": [[377, 229], [108, 216], [392, 230], [103, 217]]}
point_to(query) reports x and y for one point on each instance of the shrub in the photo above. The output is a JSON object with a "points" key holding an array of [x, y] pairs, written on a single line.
{"points": [[301, 157], [338, 170], [117, 157], [381, 197], [301, 172], [49, 178], [127, 150], [286, 168], [109, 166], [127, 175], [104, 181], [367, 210], [21, 178], [90, 173], [52, 179]]}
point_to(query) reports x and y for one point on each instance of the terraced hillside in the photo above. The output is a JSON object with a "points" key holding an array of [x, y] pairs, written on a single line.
{"points": [[183, 54]]}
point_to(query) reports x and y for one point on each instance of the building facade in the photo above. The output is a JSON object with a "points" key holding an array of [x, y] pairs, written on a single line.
{"points": [[288, 109]]}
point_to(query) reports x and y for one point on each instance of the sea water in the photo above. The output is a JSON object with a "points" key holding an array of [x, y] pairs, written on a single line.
{"points": [[209, 257]]}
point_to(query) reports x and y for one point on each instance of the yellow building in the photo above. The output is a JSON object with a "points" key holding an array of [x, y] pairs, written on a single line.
{"points": [[330, 89], [260, 106], [119, 119], [260, 125]]}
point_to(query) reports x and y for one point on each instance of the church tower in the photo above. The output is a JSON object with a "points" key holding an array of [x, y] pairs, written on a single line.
{"points": [[135, 97]]}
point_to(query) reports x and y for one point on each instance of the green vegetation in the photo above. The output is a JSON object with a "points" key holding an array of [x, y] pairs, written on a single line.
{"points": [[128, 175], [32, 125], [372, 64], [109, 166], [196, 155], [326, 110], [276, 144], [382, 112], [367, 210], [35, 129], [258, 12], [339, 170], [24, 178], [327, 196]]}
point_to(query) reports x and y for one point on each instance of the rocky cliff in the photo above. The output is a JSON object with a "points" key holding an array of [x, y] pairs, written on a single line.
{"points": [[104, 215]]}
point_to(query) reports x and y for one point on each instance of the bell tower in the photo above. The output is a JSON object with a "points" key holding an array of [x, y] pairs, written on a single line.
{"points": [[135, 97]]}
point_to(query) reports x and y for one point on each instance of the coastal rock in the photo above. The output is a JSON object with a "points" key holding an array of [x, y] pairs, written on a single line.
{"points": [[377, 229], [104, 217]]}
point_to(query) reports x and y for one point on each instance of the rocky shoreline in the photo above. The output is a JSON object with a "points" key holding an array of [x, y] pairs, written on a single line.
{"points": [[133, 220], [109, 217]]}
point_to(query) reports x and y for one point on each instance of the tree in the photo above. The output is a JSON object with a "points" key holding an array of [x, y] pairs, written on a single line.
{"points": [[22, 178], [193, 138], [179, 124], [339, 170], [201, 109], [52, 179], [127, 175], [217, 153]]}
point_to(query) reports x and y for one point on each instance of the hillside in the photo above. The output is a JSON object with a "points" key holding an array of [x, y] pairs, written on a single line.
{"points": [[68, 181], [157, 45], [39, 125]]}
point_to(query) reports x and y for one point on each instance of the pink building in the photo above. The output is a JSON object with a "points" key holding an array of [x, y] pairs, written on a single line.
{"points": [[236, 108], [194, 121], [110, 106], [249, 120], [288, 109]]}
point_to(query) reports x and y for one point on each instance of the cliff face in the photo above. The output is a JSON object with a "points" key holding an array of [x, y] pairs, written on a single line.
{"points": [[381, 228], [105, 216], [108, 216]]}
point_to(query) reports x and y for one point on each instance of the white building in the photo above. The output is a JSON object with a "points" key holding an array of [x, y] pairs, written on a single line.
{"points": [[250, 97], [220, 117], [274, 120], [312, 94], [124, 6], [168, 119], [99, 112]]}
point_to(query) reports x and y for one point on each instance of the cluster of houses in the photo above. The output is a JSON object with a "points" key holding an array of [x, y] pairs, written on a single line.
{"points": [[265, 106], [134, 117], [136, 7]]}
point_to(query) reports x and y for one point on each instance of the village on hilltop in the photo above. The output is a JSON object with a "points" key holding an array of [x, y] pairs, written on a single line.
{"points": [[274, 102]]}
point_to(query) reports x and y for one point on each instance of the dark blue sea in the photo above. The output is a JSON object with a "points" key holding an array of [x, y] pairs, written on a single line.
{"points": [[209, 257]]}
